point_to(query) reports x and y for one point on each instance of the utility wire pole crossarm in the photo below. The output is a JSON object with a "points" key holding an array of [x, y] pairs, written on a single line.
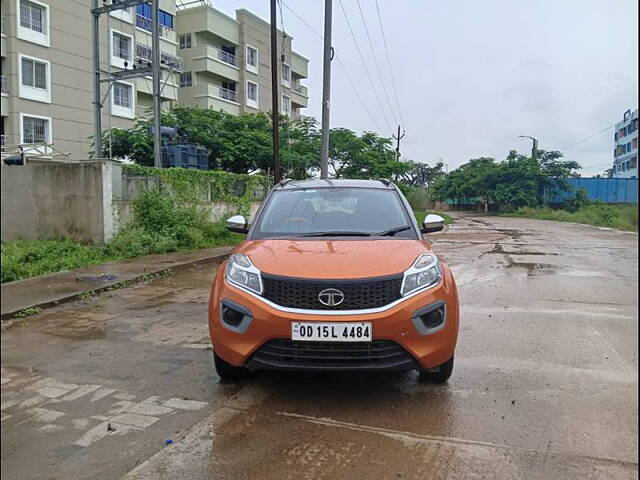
{"points": [[326, 90], [100, 76]]}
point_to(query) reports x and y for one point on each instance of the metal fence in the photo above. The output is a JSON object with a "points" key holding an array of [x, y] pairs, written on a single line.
{"points": [[608, 190]]}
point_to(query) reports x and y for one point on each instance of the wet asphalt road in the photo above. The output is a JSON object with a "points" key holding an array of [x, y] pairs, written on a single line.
{"points": [[544, 384]]}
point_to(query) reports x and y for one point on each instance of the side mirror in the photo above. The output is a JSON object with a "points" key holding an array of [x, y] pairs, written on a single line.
{"points": [[432, 223], [238, 224]]}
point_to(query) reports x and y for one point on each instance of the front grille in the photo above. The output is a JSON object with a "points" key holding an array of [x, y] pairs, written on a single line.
{"points": [[358, 294], [294, 355]]}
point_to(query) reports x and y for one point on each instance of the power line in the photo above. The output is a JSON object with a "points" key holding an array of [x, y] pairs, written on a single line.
{"points": [[364, 64], [393, 80], [344, 70], [375, 61], [588, 138]]}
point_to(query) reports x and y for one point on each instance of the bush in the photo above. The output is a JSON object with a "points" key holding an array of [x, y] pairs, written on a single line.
{"points": [[418, 198], [621, 217], [160, 225], [28, 258]]}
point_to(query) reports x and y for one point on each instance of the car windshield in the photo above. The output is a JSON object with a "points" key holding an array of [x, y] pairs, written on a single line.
{"points": [[325, 212]]}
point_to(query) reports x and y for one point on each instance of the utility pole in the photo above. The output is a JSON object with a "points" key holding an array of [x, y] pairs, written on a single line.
{"points": [[398, 138], [326, 90], [274, 93], [155, 63], [97, 100], [109, 78], [534, 148]]}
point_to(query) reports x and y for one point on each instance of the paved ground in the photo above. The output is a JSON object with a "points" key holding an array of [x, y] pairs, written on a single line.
{"points": [[56, 288], [544, 386]]}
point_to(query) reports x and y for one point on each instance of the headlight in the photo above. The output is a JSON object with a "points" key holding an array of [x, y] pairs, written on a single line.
{"points": [[241, 272], [424, 273]]}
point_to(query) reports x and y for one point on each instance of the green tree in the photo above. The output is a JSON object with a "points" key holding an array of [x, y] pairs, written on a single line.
{"points": [[517, 181]]}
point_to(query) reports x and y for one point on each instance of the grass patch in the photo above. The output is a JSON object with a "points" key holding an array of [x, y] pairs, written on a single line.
{"points": [[419, 214], [620, 217], [160, 225]]}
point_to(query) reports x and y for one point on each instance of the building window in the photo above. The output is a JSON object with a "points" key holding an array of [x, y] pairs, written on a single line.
{"points": [[186, 80], [144, 18], [633, 163], [185, 41], [34, 73], [121, 49], [252, 59], [286, 75], [286, 105], [35, 83], [36, 129], [122, 100], [33, 24], [252, 94]]}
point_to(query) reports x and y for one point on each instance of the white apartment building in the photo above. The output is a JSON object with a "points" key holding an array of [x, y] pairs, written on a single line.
{"points": [[47, 70]]}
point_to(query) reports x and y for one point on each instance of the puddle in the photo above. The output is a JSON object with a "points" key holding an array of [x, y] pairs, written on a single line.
{"points": [[533, 268], [499, 249], [73, 325]]}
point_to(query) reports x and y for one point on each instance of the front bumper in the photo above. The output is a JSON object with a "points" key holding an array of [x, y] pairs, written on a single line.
{"points": [[397, 343]]}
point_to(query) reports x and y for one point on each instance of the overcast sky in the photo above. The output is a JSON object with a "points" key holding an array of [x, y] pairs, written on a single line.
{"points": [[473, 75]]}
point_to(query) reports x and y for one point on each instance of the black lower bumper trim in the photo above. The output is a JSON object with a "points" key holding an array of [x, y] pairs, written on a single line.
{"points": [[379, 355]]}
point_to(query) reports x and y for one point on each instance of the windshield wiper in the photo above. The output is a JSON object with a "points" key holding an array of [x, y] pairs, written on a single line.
{"points": [[392, 231], [336, 233]]}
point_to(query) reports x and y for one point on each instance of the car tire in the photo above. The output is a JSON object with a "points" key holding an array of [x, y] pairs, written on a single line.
{"points": [[440, 375], [228, 372]]}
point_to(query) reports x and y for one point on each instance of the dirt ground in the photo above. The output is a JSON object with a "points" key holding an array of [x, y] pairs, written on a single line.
{"points": [[544, 385]]}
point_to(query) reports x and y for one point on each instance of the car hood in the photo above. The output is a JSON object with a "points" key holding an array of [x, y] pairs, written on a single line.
{"points": [[333, 259]]}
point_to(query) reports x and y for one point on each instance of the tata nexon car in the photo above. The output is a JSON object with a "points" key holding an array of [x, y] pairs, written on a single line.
{"points": [[334, 276]]}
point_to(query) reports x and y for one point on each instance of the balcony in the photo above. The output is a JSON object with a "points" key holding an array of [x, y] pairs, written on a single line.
{"points": [[144, 23], [144, 53], [299, 95], [207, 58], [226, 57], [216, 97]]}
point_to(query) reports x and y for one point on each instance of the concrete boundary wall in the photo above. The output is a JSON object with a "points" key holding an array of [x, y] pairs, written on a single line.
{"points": [[53, 199], [72, 200]]}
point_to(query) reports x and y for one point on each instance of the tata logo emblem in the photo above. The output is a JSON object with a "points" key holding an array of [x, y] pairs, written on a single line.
{"points": [[331, 297]]}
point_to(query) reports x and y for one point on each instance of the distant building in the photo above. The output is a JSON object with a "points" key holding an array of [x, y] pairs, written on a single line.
{"points": [[47, 70], [227, 63], [625, 153]]}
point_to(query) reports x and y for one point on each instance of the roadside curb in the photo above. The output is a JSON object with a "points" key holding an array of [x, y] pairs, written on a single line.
{"points": [[113, 285]]}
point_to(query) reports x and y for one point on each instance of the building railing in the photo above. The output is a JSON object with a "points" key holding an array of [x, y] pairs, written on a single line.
{"points": [[300, 89], [145, 53], [226, 94], [226, 57], [4, 84], [145, 23]]}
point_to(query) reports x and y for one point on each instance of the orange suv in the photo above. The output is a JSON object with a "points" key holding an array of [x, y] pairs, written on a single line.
{"points": [[334, 276]]}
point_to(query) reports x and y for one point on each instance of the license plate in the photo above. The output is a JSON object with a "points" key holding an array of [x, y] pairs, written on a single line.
{"points": [[332, 331]]}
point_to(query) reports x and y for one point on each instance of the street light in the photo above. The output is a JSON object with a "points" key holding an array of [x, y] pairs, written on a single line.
{"points": [[534, 149]]}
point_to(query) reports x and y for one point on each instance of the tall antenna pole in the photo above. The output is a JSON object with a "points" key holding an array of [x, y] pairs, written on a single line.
{"points": [[274, 93], [155, 62], [398, 138], [97, 115], [326, 90]]}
